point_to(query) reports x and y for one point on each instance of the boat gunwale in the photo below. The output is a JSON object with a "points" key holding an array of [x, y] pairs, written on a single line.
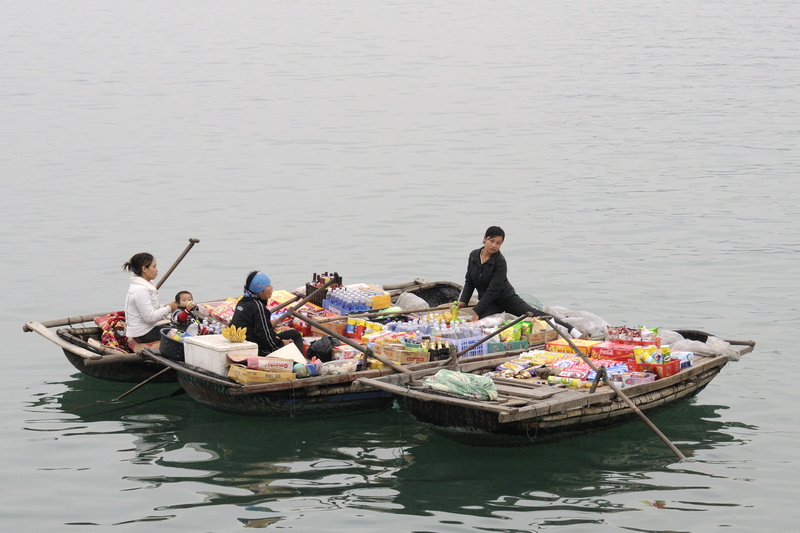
{"points": [[408, 386], [239, 389]]}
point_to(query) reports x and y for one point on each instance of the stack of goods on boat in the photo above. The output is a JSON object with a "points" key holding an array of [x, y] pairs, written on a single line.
{"points": [[629, 356], [361, 312]]}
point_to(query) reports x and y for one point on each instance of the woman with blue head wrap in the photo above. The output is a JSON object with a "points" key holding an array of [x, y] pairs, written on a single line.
{"points": [[252, 313]]}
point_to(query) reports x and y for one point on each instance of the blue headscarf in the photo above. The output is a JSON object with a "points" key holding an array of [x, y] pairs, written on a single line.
{"points": [[259, 282]]}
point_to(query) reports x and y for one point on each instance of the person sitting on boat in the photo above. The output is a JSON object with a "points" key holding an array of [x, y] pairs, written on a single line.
{"points": [[487, 272], [143, 311], [184, 314], [252, 313]]}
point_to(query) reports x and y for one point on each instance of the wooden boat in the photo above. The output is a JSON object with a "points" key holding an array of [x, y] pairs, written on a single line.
{"points": [[80, 341], [526, 412], [318, 395]]}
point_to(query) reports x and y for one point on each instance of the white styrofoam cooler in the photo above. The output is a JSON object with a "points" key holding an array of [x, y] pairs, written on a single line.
{"points": [[210, 352]]}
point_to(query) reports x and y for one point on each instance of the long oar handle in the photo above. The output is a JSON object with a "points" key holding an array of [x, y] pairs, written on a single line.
{"points": [[162, 371], [617, 390], [394, 366], [192, 242], [302, 302], [121, 396]]}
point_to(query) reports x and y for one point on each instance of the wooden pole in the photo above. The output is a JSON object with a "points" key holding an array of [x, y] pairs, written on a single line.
{"points": [[192, 242], [121, 396], [302, 302], [63, 321], [616, 390]]}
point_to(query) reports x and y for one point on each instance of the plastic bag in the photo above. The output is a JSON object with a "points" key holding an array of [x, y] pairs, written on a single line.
{"points": [[322, 349], [410, 302], [669, 337], [342, 366], [493, 321], [712, 346], [461, 384], [584, 321]]}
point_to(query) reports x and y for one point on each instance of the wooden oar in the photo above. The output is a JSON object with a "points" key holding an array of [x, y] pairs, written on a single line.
{"points": [[301, 303], [192, 242], [391, 364], [121, 396], [64, 321], [616, 389], [87, 318]]}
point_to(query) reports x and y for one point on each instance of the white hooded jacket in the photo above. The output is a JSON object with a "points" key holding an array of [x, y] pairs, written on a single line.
{"points": [[142, 308]]}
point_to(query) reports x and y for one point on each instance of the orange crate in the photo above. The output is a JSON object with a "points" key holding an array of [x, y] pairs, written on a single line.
{"points": [[662, 370]]}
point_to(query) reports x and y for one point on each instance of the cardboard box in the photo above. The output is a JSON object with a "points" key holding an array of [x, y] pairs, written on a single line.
{"points": [[262, 363], [506, 346], [560, 345], [249, 376], [542, 337], [613, 350], [338, 326], [380, 301], [397, 354], [210, 352], [344, 351]]}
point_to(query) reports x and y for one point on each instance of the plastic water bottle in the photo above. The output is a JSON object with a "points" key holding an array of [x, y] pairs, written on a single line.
{"points": [[454, 312], [191, 331]]}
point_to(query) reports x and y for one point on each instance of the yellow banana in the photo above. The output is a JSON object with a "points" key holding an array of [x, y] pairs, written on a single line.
{"points": [[234, 334]]}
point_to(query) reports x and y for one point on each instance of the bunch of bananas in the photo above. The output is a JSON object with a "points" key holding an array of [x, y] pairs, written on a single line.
{"points": [[234, 334]]}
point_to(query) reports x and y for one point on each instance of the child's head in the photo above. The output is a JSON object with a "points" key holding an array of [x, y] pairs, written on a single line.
{"points": [[183, 298]]}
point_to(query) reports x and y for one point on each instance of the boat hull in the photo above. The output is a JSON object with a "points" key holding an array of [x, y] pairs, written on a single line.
{"points": [[298, 401], [481, 428], [531, 412], [100, 363]]}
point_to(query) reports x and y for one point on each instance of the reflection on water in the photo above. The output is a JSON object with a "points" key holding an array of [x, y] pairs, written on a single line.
{"points": [[379, 462]]}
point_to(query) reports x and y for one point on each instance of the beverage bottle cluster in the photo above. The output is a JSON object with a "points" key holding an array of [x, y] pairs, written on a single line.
{"points": [[357, 327], [436, 328], [318, 280], [352, 300]]}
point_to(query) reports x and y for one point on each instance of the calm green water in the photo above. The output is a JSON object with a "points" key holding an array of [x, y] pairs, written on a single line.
{"points": [[642, 158]]}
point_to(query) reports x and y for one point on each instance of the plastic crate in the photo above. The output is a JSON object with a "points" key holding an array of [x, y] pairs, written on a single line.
{"points": [[460, 344], [317, 299], [662, 370]]}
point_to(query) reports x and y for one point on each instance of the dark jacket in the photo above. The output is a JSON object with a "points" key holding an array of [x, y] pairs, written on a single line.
{"points": [[490, 278], [251, 313]]}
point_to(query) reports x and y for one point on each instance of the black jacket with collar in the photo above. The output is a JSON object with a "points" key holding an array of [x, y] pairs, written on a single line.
{"points": [[490, 278]]}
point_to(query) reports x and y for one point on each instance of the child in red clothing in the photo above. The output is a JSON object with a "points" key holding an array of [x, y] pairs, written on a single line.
{"points": [[184, 314]]}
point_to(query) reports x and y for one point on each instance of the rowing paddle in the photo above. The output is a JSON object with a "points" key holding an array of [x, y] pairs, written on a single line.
{"points": [[192, 242], [121, 396], [616, 389]]}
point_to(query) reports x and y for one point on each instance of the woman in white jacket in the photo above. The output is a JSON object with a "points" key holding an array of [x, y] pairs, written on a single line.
{"points": [[142, 308]]}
